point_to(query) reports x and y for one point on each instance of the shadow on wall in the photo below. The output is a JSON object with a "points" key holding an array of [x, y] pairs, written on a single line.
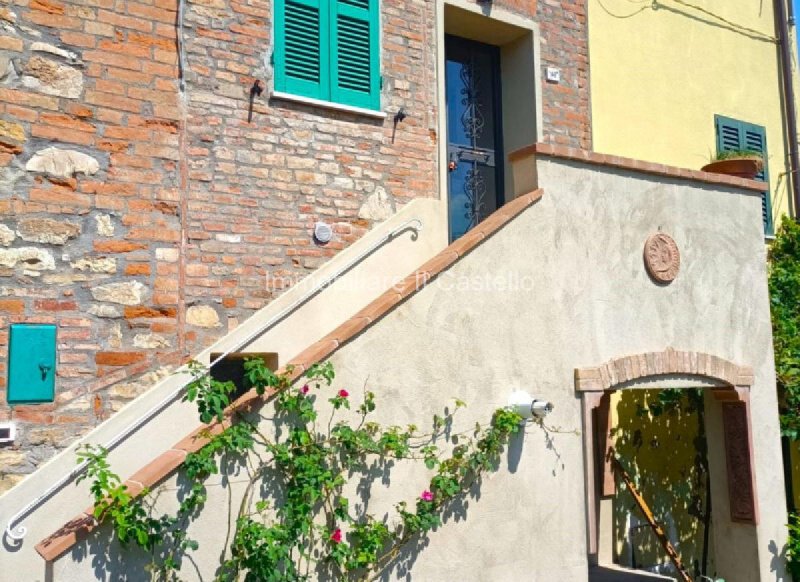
{"points": [[778, 560], [112, 561], [242, 482], [660, 440]]}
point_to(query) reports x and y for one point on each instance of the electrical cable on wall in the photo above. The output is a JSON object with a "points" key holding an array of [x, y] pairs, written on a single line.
{"points": [[623, 16], [733, 25], [656, 5]]}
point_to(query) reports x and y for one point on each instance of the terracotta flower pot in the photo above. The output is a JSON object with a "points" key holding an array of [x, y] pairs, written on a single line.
{"points": [[741, 167]]}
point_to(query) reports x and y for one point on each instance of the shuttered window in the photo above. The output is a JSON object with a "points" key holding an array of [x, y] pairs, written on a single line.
{"points": [[328, 50], [733, 134]]}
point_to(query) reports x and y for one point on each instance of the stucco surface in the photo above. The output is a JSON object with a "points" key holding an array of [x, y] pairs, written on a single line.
{"points": [[562, 286], [591, 300]]}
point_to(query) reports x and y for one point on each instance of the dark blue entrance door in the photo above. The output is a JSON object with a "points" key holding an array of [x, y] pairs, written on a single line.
{"points": [[474, 145]]}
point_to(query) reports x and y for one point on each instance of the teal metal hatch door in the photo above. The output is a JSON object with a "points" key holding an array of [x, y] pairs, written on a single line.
{"points": [[31, 363], [474, 139]]}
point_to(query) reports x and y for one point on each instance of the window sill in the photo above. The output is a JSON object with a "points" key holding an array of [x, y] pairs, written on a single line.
{"points": [[328, 105]]}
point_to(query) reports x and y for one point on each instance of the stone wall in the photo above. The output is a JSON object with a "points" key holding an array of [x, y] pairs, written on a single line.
{"points": [[89, 207], [146, 221]]}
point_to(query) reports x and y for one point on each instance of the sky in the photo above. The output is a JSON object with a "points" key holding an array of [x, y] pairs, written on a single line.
{"points": [[796, 4]]}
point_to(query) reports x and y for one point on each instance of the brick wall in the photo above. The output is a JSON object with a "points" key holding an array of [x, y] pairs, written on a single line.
{"points": [[256, 189], [565, 45], [162, 219]]}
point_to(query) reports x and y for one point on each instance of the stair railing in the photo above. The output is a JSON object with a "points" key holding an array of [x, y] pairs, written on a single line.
{"points": [[16, 532]]}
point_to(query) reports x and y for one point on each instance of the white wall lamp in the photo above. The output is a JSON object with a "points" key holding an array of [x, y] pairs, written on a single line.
{"points": [[323, 232], [527, 406]]}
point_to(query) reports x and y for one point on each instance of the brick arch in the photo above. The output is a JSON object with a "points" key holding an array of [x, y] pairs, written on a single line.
{"points": [[730, 384], [723, 373]]}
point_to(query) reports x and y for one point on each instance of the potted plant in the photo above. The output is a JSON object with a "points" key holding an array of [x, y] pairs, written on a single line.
{"points": [[741, 163]]}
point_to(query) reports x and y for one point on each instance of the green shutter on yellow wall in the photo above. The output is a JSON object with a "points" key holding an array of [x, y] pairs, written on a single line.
{"points": [[732, 135], [328, 50]]}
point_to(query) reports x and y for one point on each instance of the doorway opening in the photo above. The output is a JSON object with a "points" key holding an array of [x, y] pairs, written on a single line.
{"points": [[490, 98], [474, 132], [725, 387], [659, 439]]}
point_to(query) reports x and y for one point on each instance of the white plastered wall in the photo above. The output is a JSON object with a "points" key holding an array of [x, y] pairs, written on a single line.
{"points": [[561, 287]]}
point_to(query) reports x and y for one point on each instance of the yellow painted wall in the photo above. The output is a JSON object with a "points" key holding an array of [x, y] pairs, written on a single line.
{"points": [[660, 452], [661, 70]]}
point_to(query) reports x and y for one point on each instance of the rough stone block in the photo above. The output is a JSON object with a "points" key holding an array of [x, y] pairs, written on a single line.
{"points": [[52, 78], [124, 293], [62, 163], [47, 230]]}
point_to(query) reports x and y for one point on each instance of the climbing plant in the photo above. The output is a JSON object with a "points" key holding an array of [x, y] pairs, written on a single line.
{"points": [[784, 290], [297, 520]]}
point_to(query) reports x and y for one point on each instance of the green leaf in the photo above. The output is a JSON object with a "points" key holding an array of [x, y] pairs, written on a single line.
{"points": [[309, 470]]}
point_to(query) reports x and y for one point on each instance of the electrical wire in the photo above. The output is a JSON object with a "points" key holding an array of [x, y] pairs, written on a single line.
{"points": [[623, 16], [656, 4], [727, 22]]}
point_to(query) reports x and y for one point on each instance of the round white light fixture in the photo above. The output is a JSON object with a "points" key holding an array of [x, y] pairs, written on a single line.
{"points": [[323, 232]]}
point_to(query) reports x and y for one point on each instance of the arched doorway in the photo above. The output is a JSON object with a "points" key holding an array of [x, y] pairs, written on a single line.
{"points": [[659, 446], [726, 388]]}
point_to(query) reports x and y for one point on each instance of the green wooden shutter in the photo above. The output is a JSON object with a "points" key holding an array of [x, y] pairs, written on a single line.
{"points": [[755, 138], [738, 135], [355, 66], [301, 47]]}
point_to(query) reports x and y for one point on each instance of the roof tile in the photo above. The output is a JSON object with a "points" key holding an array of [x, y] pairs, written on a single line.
{"points": [[158, 468], [66, 536]]}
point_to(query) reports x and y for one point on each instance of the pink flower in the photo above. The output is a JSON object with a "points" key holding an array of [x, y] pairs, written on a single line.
{"points": [[426, 496], [304, 389], [343, 394], [336, 536]]}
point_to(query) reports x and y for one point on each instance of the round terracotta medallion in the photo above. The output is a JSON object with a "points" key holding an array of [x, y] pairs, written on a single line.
{"points": [[661, 257]]}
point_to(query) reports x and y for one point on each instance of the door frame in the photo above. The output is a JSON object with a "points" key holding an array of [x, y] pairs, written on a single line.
{"points": [[729, 436], [519, 40], [497, 114]]}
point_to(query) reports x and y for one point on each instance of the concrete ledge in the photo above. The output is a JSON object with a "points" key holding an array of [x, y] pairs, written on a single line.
{"points": [[589, 157], [609, 573]]}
